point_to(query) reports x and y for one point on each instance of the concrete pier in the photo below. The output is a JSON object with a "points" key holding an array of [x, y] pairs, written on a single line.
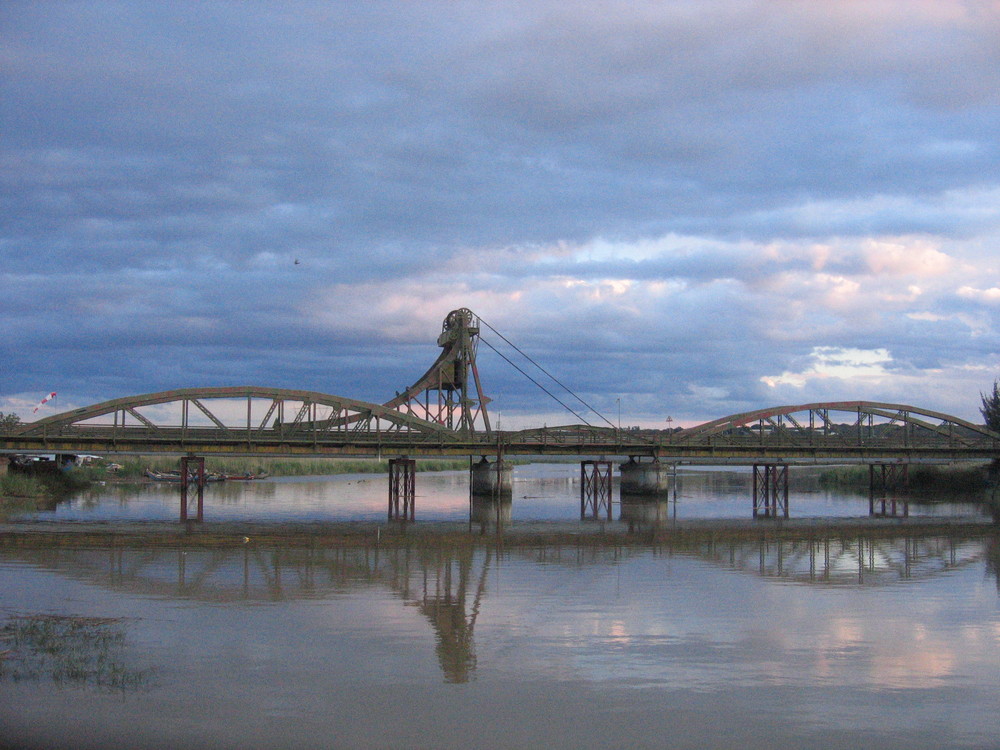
{"points": [[490, 478], [649, 479]]}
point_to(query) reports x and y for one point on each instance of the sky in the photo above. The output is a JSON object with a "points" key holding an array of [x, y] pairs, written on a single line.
{"points": [[682, 209]]}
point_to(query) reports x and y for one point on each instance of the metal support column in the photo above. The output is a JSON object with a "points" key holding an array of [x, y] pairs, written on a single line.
{"points": [[199, 479], [402, 489], [595, 489], [884, 481], [770, 490]]}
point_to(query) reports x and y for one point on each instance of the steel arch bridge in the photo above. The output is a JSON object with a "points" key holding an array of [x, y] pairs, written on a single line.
{"points": [[243, 420], [828, 432], [445, 413]]}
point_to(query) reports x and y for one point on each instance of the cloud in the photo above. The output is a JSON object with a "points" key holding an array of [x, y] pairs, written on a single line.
{"points": [[665, 202], [835, 362], [989, 296]]}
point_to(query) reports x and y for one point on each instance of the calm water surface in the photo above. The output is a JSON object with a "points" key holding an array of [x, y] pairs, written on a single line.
{"points": [[841, 642], [541, 492]]}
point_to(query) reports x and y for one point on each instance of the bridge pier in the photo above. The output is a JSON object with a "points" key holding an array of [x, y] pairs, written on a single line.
{"points": [[651, 478], [883, 481], [595, 489], [402, 489], [491, 479], [770, 490], [199, 463]]}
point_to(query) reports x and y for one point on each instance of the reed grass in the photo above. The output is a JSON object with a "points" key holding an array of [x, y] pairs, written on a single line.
{"points": [[13, 485], [922, 478], [20, 493]]}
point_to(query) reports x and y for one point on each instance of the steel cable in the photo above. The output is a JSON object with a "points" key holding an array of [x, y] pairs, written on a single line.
{"points": [[550, 375]]}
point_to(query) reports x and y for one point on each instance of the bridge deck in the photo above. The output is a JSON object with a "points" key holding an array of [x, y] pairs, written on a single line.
{"points": [[664, 446]]}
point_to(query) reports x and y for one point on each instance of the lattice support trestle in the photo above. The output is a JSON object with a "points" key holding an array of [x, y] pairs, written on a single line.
{"points": [[595, 489], [770, 490], [402, 489], [885, 481]]}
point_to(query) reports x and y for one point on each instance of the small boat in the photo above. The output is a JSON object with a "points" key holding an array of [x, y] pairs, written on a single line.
{"points": [[246, 477], [163, 476], [175, 476]]}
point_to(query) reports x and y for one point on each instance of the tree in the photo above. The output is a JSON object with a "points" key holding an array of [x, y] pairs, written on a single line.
{"points": [[991, 407], [8, 422]]}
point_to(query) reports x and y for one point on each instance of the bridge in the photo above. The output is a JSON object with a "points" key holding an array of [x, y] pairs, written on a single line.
{"points": [[445, 413]]}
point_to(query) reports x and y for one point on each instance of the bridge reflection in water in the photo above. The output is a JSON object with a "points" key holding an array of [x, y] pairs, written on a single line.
{"points": [[450, 585]]}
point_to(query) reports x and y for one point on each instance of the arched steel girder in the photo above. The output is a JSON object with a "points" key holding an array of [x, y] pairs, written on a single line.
{"points": [[837, 427], [815, 418], [573, 433], [346, 414]]}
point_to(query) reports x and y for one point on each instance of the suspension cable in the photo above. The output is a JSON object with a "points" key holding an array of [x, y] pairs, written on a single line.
{"points": [[549, 374], [556, 398]]}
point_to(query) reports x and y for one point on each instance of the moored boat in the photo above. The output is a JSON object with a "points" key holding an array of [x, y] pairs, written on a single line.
{"points": [[175, 476]]}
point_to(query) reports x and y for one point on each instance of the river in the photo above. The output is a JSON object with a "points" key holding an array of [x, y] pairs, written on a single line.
{"points": [[589, 637]]}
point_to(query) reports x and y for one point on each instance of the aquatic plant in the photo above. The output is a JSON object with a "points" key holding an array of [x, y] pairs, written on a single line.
{"points": [[68, 649], [922, 478], [13, 485]]}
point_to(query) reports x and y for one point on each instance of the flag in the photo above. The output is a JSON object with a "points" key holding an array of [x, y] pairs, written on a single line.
{"points": [[44, 401]]}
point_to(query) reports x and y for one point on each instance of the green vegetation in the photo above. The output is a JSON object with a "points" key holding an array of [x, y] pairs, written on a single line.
{"points": [[990, 408], [27, 492], [20, 493], [68, 649], [922, 478], [20, 485], [8, 422]]}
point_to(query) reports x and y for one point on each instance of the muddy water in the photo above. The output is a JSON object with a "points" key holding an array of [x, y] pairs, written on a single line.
{"points": [[831, 641]]}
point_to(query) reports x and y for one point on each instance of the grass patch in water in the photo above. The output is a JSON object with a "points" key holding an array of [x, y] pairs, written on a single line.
{"points": [[19, 486], [20, 493], [68, 649]]}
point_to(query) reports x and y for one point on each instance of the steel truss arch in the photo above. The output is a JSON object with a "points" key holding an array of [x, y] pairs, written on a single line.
{"points": [[581, 434], [899, 425], [288, 414]]}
